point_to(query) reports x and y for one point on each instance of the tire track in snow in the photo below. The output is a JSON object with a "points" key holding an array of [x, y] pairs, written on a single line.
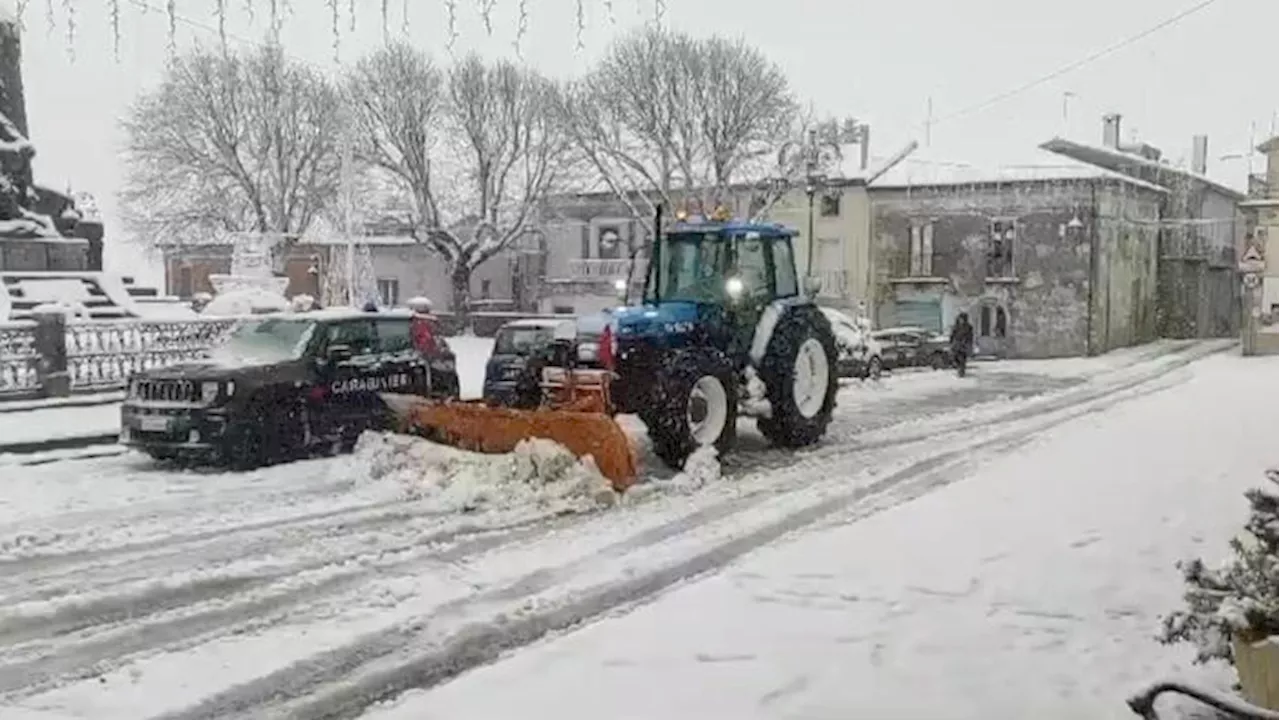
{"points": [[387, 663], [271, 487], [88, 656], [146, 559]]}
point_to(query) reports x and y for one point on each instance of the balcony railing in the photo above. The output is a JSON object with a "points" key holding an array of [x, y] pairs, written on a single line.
{"points": [[598, 269], [834, 283]]}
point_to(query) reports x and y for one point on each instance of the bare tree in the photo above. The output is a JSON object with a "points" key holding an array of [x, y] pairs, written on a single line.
{"points": [[668, 118], [231, 143], [476, 147]]}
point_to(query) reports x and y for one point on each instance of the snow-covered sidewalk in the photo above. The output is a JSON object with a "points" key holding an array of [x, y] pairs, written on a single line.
{"points": [[52, 422], [1029, 588]]}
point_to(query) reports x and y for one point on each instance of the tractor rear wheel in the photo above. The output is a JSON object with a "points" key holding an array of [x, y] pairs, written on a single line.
{"points": [[799, 374], [694, 403]]}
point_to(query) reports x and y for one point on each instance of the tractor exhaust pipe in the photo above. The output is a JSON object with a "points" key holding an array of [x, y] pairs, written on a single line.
{"points": [[655, 257]]}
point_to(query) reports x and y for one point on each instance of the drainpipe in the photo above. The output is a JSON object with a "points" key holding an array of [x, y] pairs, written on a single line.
{"points": [[1093, 266]]}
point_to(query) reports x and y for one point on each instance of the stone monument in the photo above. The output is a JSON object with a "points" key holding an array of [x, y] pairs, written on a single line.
{"points": [[40, 229], [251, 286]]}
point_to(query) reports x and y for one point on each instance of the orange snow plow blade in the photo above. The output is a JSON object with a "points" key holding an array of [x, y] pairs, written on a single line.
{"points": [[478, 427]]}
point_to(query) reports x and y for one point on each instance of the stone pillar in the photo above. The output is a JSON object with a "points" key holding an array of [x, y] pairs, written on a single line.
{"points": [[12, 99], [51, 346], [92, 231]]}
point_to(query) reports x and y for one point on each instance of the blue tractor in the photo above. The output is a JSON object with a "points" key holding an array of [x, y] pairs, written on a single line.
{"points": [[724, 328]]}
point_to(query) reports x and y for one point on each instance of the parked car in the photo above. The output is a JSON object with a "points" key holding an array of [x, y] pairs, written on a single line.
{"points": [[903, 347], [512, 373], [522, 348], [859, 354], [281, 386]]}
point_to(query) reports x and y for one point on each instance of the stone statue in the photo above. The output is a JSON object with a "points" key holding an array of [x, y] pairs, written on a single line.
{"points": [[27, 210]]}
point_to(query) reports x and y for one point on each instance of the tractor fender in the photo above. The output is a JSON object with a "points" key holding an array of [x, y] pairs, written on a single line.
{"points": [[773, 313]]}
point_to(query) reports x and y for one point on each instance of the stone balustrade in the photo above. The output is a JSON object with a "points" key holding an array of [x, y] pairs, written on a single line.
{"points": [[51, 356]]}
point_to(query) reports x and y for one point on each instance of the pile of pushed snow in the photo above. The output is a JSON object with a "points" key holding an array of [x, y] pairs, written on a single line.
{"points": [[538, 473], [247, 301], [701, 469]]}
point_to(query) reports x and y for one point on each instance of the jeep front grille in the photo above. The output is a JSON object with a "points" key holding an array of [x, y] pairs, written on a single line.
{"points": [[179, 391]]}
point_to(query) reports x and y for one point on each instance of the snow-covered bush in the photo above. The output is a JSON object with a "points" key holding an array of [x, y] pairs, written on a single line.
{"points": [[1238, 598]]}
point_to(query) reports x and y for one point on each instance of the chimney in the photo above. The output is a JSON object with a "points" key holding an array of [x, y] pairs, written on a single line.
{"points": [[1199, 154], [1111, 131]]}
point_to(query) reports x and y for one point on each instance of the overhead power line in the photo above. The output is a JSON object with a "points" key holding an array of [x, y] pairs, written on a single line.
{"points": [[1075, 65]]}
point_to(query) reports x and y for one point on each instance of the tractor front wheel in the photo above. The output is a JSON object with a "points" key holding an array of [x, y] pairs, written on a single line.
{"points": [[800, 379], [694, 403]]}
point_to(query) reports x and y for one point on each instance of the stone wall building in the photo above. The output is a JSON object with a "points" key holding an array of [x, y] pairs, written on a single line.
{"points": [[1200, 226], [1047, 261], [1262, 311]]}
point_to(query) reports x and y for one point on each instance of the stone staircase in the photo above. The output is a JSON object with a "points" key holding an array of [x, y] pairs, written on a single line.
{"points": [[102, 295]]}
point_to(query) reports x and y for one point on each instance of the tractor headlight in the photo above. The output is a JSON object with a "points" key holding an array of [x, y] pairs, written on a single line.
{"points": [[588, 352], [734, 288], [231, 388], [209, 391]]}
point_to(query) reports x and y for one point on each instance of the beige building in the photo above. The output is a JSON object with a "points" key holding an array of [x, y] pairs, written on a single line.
{"points": [[587, 241]]}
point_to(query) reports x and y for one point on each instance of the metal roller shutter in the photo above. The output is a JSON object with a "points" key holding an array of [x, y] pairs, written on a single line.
{"points": [[918, 313]]}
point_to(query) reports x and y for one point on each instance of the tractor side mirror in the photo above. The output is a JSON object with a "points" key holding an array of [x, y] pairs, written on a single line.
{"points": [[812, 285], [339, 353]]}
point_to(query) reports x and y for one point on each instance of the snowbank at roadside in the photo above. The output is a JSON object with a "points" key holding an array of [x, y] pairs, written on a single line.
{"points": [[539, 473]]}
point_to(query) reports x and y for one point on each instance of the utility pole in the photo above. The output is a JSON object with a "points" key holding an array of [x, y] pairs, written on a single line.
{"points": [[928, 122], [348, 203]]}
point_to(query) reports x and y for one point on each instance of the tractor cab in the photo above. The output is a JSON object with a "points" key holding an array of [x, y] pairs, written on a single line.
{"points": [[709, 282]]}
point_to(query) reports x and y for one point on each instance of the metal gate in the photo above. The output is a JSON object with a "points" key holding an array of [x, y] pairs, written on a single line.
{"points": [[918, 313]]}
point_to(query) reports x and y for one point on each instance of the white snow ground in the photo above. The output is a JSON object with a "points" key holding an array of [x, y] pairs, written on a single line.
{"points": [[1029, 588], [129, 590]]}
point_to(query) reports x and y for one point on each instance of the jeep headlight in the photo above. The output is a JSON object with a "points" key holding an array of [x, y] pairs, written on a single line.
{"points": [[209, 391]]}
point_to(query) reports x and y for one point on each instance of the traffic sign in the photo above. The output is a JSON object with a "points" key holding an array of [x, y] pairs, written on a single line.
{"points": [[1251, 261]]}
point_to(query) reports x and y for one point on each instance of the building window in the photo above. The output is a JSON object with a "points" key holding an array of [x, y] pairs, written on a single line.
{"points": [[921, 250], [562, 309], [829, 205], [609, 242], [486, 286], [389, 291], [1000, 248], [186, 283], [993, 322]]}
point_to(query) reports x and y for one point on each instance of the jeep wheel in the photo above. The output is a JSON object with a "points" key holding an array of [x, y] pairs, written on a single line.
{"points": [[800, 380], [694, 404]]}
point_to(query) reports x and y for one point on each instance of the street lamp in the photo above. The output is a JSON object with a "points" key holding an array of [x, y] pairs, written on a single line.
{"points": [[820, 149]]}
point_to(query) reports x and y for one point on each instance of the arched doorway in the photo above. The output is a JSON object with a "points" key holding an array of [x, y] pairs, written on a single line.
{"points": [[992, 327]]}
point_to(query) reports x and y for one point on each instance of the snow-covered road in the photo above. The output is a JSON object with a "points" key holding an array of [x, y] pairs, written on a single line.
{"points": [[317, 588]]}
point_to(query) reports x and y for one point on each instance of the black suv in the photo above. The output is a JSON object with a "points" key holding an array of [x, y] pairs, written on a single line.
{"points": [[282, 386]]}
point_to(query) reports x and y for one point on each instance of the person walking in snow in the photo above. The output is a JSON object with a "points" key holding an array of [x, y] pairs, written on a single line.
{"points": [[961, 342]]}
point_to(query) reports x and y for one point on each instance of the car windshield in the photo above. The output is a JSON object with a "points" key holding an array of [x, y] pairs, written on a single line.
{"points": [[521, 340], [691, 267], [265, 341]]}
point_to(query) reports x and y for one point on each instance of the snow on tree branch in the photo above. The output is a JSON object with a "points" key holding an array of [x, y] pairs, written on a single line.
{"points": [[231, 142], [669, 118], [476, 147]]}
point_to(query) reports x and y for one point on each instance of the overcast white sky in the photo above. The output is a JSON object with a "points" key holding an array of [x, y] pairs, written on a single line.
{"points": [[1215, 72]]}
